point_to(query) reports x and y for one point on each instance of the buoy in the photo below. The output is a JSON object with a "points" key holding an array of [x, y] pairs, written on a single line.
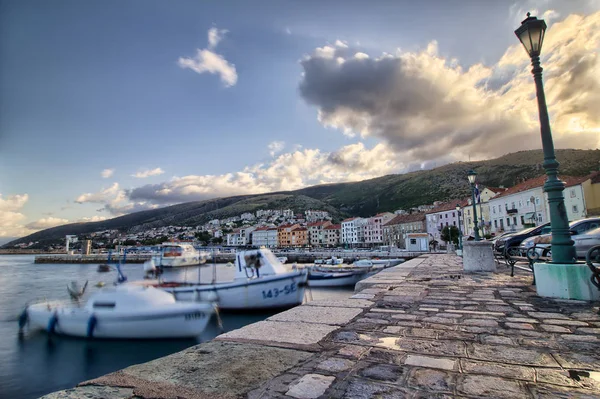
{"points": [[91, 326], [100, 284], [52, 324]]}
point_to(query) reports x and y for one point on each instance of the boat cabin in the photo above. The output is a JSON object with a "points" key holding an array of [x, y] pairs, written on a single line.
{"points": [[128, 297], [176, 249], [256, 263]]}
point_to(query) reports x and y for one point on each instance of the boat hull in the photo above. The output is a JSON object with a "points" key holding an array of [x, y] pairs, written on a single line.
{"points": [[268, 292], [177, 322], [334, 279]]}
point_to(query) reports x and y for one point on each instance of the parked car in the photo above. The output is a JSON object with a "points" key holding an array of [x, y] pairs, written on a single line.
{"points": [[514, 240], [583, 242], [576, 227]]}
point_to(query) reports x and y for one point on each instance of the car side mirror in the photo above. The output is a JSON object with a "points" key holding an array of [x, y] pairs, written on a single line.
{"points": [[573, 233]]}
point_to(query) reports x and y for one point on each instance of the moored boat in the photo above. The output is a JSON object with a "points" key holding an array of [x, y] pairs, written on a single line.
{"points": [[333, 278], [330, 261], [261, 281], [125, 311], [178, 254]]}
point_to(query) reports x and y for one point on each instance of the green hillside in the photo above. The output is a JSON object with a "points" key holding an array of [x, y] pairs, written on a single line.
{"points": [[364, 198]]}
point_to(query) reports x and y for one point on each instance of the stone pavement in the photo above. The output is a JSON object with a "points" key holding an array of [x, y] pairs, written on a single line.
{"points": [[423, 329]]}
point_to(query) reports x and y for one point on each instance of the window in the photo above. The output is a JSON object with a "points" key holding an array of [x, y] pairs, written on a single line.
{"points": [[508, 221], [537, 200], [495, 223], [515, 220], [494, 209], [413, 241], [573, 193], [512, 205], [522, 219], [446, 216], [528, 202], [520, 203], [453, 214], [454, 223], [575, 210], [539, 217]]}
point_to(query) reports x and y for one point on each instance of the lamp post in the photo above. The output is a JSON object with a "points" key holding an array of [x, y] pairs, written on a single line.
{"points": [[531, 34], [532, 199], [459, 229], [472, 175]]}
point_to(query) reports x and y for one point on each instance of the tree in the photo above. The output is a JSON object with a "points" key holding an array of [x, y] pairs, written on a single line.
{"points": [[217, 240], [450, 234], [204, 237]]}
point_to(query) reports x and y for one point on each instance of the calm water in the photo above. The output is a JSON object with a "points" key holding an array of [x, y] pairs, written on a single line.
{"points": [[35, 365]]}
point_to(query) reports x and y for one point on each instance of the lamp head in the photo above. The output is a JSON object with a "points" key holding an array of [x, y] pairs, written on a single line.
{"points": [[472, 176], [531, 34]]}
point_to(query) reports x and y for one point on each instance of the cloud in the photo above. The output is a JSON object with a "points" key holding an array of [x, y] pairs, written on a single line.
{"points": [[426, 107], [215, 36], [275, 147], [46, 223], [114, 200], [288, 171], [106, 173], [100, 197], [206, 60], [92, 219], [148, 172], [11, 218]]}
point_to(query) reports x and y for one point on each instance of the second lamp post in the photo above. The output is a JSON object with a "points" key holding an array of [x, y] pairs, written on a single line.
{"points": [[472, 176]]}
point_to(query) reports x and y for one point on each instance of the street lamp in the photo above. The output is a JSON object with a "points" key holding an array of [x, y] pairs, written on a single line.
{"points": [[531, 34], [532, 199], [459, 229], [472, 175]]}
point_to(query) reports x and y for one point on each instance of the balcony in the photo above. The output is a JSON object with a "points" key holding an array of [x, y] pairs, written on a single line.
{"points": [[511, 211]]}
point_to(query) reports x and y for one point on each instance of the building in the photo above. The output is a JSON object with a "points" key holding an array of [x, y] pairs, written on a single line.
{"points": [[247, 216], [284, 234], [443, 215], [591, 192], [372, 229], [299, 236], [240, 237], [316, 232], [332, 235], [351, 231], [483, 212], [417, 242], [86, 247], [265, 237], [315, 215], [396, 230]]}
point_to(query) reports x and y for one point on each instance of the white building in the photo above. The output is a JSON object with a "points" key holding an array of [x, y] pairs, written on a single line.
{"points": [[315, 215], [483, 212], [352, 231], [247, 216], [444, 214], [265, 237], [240, 237]]}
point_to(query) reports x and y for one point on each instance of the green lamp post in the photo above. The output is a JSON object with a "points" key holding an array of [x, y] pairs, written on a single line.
{"points": [[531, 34], [459, 229], [472, 176]]}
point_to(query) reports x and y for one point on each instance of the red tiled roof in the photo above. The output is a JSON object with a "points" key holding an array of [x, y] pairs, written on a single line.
{"points": [[539, 182], [319, 223], [262, 229], [415, 217], [300, 229], [348, 220], [333, 227], [496, 189], [448, 206]]}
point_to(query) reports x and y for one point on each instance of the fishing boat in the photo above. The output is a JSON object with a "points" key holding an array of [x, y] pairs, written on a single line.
{"points": [[330, 261], [261, 281], [336, 277], [178, 254], [125, 312], [377, 262]]}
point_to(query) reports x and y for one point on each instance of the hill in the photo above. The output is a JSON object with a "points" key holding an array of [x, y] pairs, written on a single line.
{"points": [[364, 198]]}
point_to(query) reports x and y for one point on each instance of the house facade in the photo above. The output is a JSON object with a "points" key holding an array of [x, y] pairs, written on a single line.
{"points": [[284, 234], [396, 230], [444, 214], [352, 231], [332, 235], [483, 212], [372, 228], [316, 232], [265, 237], [299, 236]]}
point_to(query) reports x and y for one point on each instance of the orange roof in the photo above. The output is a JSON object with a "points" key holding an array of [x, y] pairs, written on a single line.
{"points": [[300, 229], [539, 182], [415, 217], [348, 220], [496, 189], [315, 224]]}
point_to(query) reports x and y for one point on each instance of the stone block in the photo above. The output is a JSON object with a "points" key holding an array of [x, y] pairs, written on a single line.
{"points": [[565, 281], [310, 386], [494, 387], [280, 332], [382, 372], [318, 314], [498, 369], [430, 362], [92, 392], [478, 256], [432, 380], [511, 355], [335, 365]]}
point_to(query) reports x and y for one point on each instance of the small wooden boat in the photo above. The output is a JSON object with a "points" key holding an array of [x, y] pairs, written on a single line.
{"points": [[125, 311], [104, 268], [332, 278]]}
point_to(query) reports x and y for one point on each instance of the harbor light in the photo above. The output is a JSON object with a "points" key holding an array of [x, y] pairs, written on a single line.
{"points": [[472, 176], [531, 34]]}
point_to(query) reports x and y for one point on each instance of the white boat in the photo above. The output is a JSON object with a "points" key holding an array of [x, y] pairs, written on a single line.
{"points": [[331, 278], [282, 259], [330, 261], [178, 254], [377, 262], [125, 311], [261, 281]]}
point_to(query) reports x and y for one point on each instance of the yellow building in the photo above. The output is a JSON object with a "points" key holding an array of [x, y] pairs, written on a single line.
{"points": [[299, 236], [591, 193], [284, 234]]}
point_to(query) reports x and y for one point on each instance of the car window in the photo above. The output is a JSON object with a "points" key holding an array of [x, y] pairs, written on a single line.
{"points": [[593, 232], [546, 230], [582, 227]]}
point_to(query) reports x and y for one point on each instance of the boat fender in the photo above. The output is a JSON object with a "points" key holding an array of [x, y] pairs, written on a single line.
{"points": [[91, 326], [52, 323], [23, 319]]}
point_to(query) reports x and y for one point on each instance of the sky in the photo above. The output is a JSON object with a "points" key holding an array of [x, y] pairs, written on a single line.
{"points": [[111, 107]]}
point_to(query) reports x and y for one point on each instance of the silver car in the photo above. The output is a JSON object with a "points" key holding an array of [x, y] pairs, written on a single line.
{"points": [[583, 242], [577, 228]]}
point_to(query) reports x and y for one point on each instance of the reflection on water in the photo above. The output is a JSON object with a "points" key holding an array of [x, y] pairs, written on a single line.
{"points": [[37, 364]]}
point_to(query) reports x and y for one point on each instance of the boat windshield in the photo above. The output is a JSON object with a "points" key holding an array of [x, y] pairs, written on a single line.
{"points": [[170, 251]]}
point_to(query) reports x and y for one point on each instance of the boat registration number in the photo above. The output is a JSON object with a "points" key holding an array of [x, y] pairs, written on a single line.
{"points": [[193, 316], [275, 292]]}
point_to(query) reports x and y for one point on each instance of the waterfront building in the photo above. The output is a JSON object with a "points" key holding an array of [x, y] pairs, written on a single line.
{"points": [[316, 233], [240, 237], [442, 215], [316, 215], [352, 231], [484, 220], [284, 234], [299, 236], [396, 230], [332, 235], [372, 229], [86, 247], [265, 237]]}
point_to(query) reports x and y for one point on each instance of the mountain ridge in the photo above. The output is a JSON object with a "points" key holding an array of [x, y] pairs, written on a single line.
{"points": [[363, 198]]}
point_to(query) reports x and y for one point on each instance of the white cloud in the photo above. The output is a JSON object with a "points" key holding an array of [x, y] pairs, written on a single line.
{"points": [[148, 172], [100, 197], [427, 107], [11, 218], [106, 173], [114, 200], [92, 219], [215, 36], [206, 60], [46, 223], [275, 147]]}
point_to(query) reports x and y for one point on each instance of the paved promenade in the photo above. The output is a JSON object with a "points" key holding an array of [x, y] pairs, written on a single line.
{"points": [[419, 330]]}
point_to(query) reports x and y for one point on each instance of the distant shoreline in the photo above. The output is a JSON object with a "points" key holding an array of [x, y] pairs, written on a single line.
{"points": [[27, 252]]}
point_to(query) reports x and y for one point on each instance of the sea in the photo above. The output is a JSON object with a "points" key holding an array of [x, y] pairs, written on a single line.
{"points": [[36, 364]]}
